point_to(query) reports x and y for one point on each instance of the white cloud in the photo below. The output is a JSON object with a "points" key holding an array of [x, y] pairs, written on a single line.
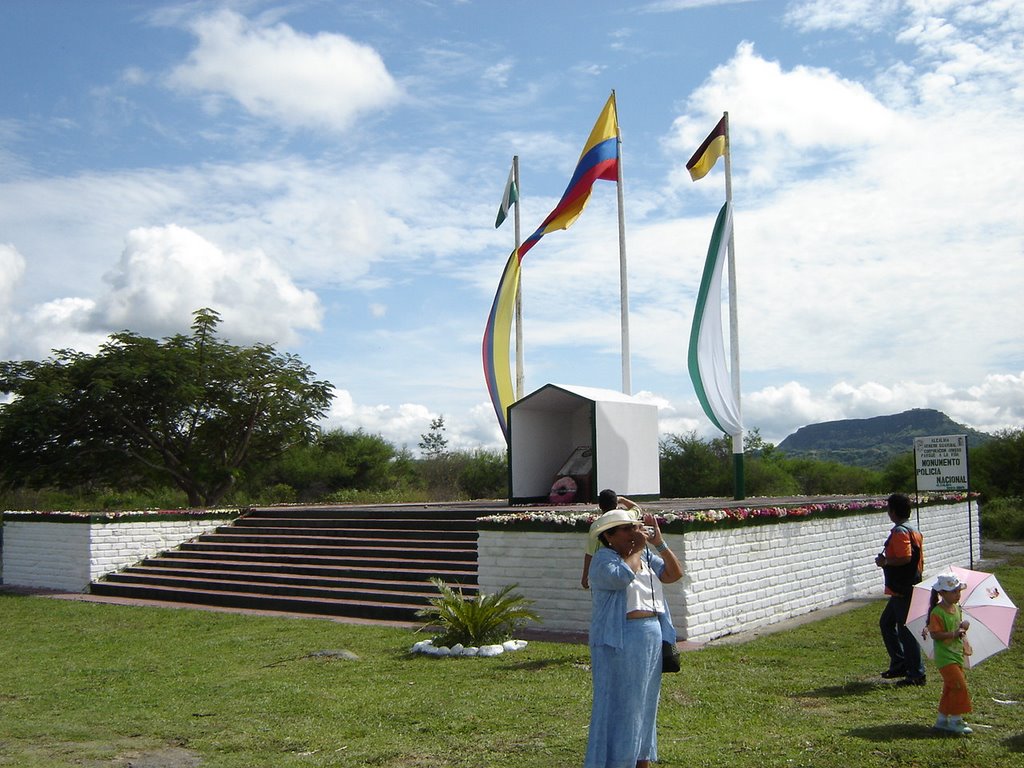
{"points": [[166, 273], [401, 425], [324, 81], [996, 403], [12, 267], [163, 276], [818, 15], [60, 324], [782, 121], [498, 74]]}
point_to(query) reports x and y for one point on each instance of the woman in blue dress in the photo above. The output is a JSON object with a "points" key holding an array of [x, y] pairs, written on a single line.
{"points": [[630, 618]]}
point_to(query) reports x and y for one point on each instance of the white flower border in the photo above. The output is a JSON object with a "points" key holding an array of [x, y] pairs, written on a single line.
{"points": [[428, 647]]}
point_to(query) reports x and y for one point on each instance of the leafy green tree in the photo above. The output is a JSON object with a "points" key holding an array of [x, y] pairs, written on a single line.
{"points": [[899, 474], [484, 475], [815, 477], [692, 467], [191, 410], [335, 460], [434, 444], [997, 466]]}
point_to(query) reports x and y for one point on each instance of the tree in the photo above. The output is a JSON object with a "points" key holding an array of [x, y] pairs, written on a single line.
{"points": [[434, 444], [997, 466], [692, 467], [333, 461], [191, 410]]}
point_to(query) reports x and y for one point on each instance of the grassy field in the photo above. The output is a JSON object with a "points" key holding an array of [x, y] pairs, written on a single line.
{"points": [[96, 685]]}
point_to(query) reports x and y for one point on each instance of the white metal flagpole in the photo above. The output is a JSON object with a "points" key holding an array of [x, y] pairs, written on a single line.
{"points": [[519, 288], [627, 385], [734, 323]]}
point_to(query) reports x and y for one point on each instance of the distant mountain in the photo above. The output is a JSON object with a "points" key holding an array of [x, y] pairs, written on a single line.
{"points": [[873, 442]]}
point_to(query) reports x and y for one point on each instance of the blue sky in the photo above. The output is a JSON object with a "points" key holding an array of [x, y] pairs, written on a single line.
{"points": [[325, 174]]}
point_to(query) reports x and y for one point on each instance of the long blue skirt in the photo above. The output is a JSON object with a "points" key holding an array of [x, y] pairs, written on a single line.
{"points": [[627, 682]]}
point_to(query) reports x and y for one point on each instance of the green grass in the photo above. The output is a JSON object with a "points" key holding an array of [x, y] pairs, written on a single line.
{"points": [[87, 684]]}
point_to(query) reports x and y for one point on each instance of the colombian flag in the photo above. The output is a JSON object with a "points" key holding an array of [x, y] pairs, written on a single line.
{"points": [[599, 160]]}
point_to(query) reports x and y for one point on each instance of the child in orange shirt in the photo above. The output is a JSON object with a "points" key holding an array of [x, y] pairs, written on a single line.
{"points": [[948, 629]]}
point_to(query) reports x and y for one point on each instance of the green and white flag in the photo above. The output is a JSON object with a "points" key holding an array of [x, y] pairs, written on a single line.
{"points": [[507, 200], [706, 360]]}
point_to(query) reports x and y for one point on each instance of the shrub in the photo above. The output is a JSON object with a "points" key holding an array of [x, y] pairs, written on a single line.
{"points": [[476, 621], [484, 475], [1003, 518]]}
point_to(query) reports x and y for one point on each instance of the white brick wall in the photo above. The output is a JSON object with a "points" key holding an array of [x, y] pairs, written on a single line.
{"points": [[735, 579], [70, 555]]}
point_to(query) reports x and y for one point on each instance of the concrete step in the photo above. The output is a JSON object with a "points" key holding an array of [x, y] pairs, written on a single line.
{"points": [[366, 537], [300, 567], [355, 523], [373, 564], [168, 571], [378, 554], [418, 594], [369, 563], [368, 609]]}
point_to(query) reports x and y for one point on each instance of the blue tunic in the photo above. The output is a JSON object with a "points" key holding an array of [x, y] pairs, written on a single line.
{"points": [[625, 664]]}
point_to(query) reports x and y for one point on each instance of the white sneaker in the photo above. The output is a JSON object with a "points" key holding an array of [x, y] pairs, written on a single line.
{"points": [[941, 723], [957, 725]]}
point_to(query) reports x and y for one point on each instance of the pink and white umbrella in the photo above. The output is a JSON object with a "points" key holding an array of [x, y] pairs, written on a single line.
{"points": [[984, 603]]}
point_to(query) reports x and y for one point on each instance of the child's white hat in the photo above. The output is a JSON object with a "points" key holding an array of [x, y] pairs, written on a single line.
{"points": [[947, 582]]}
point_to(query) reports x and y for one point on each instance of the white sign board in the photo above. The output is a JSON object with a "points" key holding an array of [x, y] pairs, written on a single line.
{"points": [[941, 463]]}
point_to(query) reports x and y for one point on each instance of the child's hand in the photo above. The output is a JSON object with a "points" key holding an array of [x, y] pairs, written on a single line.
{"points": [[965, 625]]}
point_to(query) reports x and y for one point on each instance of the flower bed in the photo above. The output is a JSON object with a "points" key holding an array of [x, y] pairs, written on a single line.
{"points": [[131, 516], [685, 520]]}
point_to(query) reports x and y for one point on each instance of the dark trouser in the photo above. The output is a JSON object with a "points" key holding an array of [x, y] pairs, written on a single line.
{"points": [[904, 650]]}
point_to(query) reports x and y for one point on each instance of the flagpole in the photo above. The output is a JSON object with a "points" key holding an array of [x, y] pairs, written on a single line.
{"points": [[627, 385], [734, 324], [519, 289]]}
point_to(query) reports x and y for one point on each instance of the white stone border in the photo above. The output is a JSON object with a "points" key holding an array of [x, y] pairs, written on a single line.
{"points": [[428, 647]]}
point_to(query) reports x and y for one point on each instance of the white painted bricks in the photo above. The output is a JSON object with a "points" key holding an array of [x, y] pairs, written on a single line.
{"points": [[69, 556], [736, 578]]}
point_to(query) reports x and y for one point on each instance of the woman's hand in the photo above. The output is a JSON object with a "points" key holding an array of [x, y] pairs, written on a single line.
{"points": [[651, 530]]}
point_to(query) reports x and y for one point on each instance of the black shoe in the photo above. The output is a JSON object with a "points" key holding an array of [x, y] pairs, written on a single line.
{"points": [[889, 674], [912, 680]]}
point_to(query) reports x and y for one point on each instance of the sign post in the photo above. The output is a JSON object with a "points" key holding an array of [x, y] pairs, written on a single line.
{"points": [[941, 464]]}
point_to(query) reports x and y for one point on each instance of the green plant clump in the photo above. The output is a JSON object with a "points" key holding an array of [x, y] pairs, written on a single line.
{"points": [[1003, 518], [476, 621]]}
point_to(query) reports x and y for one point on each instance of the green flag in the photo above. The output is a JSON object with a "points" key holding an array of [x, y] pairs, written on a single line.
{"points": [[507, 200]]}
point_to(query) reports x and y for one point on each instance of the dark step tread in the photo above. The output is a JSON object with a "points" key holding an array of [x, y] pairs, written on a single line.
{"points": [[421, 596], [342, 538], [323, 606], [359, 523], [373, 585], [411, 512], [329, 560], [339, 550], [302, 566]]}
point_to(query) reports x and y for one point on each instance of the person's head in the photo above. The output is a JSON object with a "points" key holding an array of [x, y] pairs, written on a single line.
{"points": [[607, 500], [899, 507], [614, 526], [948, 588]]}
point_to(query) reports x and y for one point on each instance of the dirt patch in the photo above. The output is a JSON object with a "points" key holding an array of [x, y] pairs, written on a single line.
{"points": [[168, 757]]}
